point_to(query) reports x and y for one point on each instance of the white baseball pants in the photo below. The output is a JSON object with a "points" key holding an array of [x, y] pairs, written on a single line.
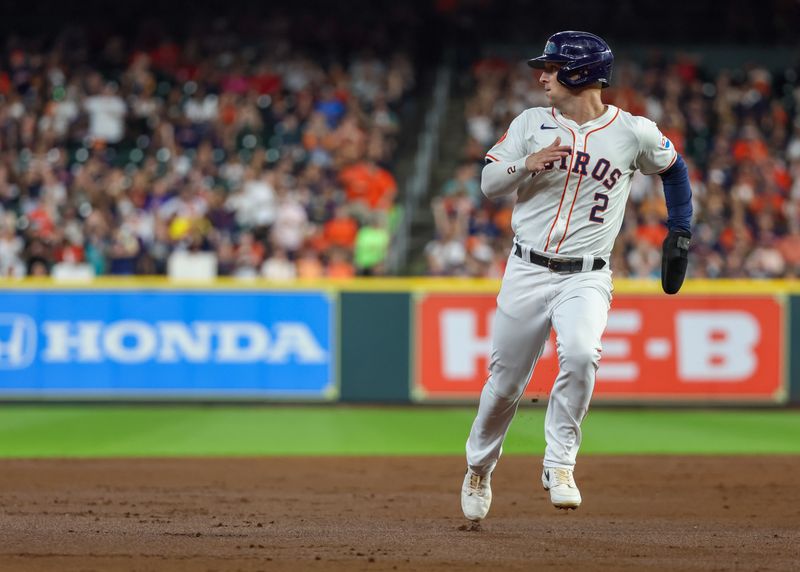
{"points": [[533, 299]]}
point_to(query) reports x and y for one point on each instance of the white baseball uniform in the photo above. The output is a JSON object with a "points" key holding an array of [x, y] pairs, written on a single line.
{"points": [[573, 209]]}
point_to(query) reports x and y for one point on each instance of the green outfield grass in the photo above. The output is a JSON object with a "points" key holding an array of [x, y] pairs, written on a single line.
{"points": [[116, 431]]}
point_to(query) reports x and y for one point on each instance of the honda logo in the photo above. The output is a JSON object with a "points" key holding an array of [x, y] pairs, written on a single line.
{"points": [[17, 341]]}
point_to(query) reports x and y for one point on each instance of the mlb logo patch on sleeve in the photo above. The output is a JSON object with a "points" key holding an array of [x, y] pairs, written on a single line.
{"points": [[665, 143]]}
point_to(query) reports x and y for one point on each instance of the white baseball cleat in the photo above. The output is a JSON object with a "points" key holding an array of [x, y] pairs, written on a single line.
{"points": [[476, 495], [564, 492]]}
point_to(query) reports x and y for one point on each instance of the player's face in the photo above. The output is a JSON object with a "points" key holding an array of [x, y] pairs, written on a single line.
{"points": [[555, 91]]}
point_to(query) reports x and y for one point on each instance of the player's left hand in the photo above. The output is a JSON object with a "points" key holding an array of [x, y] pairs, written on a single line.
{"points": [[674, 260]]}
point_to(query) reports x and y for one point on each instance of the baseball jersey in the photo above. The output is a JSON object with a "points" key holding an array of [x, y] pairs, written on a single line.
{"points": [[575, 206]]}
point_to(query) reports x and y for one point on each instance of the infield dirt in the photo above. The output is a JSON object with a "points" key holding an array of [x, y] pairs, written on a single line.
{"points": [[396, 513]]}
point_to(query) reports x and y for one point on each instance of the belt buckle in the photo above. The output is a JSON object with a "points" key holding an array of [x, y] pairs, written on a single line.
{"points": [[550, 267]]}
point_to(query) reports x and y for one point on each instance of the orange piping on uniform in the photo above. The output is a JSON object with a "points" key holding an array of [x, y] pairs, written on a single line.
{"points": [[675, 158], [575, 198], [564, 191]]}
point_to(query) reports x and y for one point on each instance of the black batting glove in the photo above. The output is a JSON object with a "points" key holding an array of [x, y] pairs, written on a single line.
{"points": [[674, 259]]}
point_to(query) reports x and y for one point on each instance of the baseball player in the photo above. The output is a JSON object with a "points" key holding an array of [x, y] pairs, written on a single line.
{"points": [[570, 166]]}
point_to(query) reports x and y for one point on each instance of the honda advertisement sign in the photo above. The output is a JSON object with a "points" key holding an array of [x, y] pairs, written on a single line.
{"points": [[713, 348], [203, 344]]}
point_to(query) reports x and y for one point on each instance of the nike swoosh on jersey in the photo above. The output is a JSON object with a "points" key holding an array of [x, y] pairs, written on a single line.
{"points": [[543, 126]]}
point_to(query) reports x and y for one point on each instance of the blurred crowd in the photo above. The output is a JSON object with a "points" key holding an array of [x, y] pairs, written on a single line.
{"points": [[738, 132], [274, 161]]}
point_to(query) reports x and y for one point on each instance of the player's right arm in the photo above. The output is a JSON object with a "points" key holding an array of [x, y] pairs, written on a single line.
{"points": [[508, 163]]}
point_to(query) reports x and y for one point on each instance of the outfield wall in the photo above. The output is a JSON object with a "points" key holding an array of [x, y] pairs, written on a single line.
{"points": [[378, 340]]}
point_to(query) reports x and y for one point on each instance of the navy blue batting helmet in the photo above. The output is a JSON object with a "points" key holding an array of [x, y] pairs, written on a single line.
{"points": [[585, 58]]}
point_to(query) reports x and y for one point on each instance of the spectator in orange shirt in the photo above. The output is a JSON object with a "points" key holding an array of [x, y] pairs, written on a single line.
{"points": [[370, 184], [341, 230], [768, 201], [42, 220], [69, 251], [339, 265], [750, 146], [309, 265]]}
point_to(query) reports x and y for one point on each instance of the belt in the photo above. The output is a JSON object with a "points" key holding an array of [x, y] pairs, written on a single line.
{"points": [[559, 265]]}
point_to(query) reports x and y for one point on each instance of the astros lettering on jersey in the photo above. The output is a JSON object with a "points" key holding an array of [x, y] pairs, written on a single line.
{"points": [[575, 207]]}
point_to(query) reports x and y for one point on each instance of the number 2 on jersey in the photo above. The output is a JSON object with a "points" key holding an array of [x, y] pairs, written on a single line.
{"points": [[600, 208]]}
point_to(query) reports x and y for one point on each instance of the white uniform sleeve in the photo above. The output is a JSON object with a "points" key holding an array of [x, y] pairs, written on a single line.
{"points": [[656, 152], [511, 146], [505, 162], [500, 178]]}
